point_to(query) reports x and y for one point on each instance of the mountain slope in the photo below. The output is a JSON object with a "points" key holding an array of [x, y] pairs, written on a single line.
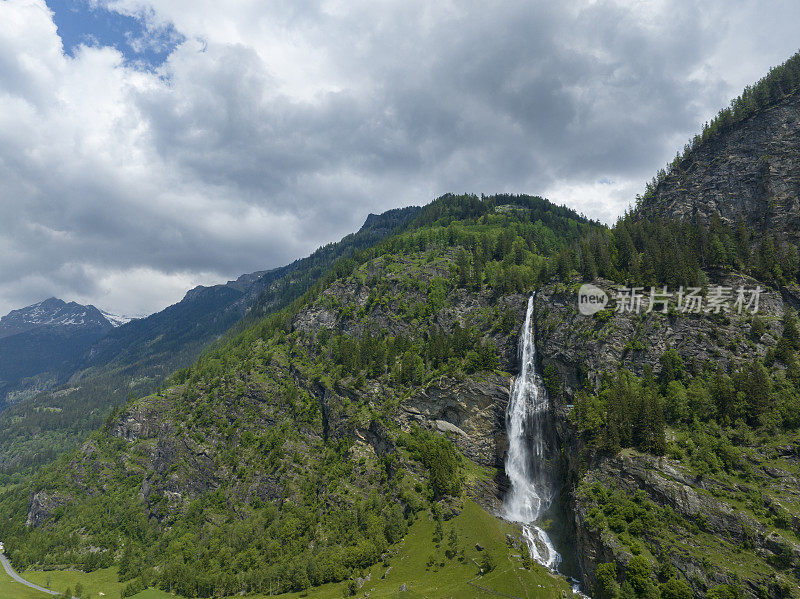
{"points": [[743, 168], [133, 359], [41, 343], [681, 446], [300, 451], [678, 430]]}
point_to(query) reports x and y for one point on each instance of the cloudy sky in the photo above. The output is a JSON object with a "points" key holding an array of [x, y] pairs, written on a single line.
{"points": [[147, 146]]}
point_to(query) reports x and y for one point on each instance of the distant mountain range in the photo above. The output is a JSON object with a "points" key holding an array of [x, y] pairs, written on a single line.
{"points": [[39, 344], [54, 313]]}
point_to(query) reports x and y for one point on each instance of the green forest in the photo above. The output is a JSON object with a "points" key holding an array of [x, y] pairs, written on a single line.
{"points": [[244, 473]]}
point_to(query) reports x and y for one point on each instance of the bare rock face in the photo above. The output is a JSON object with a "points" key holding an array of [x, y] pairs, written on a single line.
{"points": [[42, 506], [582, 348], [471, 411], [750, 173], [140, 422]]}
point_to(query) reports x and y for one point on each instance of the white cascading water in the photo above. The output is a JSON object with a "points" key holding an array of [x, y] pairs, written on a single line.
{"points": [[532, 487]]}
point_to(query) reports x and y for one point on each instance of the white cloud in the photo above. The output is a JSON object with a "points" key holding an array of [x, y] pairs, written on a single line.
{"points": [[274, 127], [138, 292]]}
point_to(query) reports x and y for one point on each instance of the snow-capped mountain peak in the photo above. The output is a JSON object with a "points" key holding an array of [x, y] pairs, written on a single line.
{"points": [[53, 313], [116, 320]]}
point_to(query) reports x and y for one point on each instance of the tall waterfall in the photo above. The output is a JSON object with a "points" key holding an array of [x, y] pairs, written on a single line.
{"points": [[532, 486]]}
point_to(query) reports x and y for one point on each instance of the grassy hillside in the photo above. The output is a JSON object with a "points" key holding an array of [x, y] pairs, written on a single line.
{"points": [[426, 565]]}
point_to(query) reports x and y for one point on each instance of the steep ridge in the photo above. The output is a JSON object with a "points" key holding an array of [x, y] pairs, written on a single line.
{"points": [[135, 358], [744, 167], [749, 174]]}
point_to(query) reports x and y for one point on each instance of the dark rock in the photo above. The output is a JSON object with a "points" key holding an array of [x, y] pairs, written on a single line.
{"points": [[41, 507], [747, 174], [471, 411]]}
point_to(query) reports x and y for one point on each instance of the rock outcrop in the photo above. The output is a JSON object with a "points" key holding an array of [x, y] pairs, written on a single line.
{"points": [[471, 411], [42, 505], [749, 174], [582, 348]]}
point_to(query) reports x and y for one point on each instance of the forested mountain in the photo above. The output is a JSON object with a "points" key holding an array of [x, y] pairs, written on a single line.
{"points": [[105, 367], [364, 398], [679, 426], [322, 408]]}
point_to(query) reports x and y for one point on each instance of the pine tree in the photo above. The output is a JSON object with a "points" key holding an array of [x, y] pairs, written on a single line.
{"points": [[754, 381]]}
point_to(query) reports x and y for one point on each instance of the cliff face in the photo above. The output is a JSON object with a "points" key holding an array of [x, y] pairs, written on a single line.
{"points": [[582, 347], [750, 173], [713, 529], [731, 525]]}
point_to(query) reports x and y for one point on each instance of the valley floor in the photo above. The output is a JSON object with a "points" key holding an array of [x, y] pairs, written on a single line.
{"points": [[94, 583], [11, 589], [443, 578]]}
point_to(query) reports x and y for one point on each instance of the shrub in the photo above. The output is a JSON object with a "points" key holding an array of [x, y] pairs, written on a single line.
{"points": [[487, 562], [676, 589], [607, 585]]}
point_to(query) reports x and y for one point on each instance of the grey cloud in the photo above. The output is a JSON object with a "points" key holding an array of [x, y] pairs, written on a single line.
{"points": [[209, 166]]}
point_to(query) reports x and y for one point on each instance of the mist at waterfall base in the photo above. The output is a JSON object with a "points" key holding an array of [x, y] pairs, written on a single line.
{"points": [[532, 488]]}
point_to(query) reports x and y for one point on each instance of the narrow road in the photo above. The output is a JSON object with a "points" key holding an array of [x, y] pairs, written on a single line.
{"points": [[13, 574]]}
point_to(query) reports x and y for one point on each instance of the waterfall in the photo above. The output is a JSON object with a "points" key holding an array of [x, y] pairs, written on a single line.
{"points": [[532, 485]]}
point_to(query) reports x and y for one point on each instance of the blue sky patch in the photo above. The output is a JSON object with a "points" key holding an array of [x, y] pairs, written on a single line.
{"points": [[79, 22]]}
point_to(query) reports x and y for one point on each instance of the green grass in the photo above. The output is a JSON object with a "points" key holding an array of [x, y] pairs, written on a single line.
{"points": [[11, 589], [446, 578], [100, 581], [409, 565]]}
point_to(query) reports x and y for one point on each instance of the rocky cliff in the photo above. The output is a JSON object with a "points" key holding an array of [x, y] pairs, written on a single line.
{"points": [[584, 348], [748, 174], [714, 529]]}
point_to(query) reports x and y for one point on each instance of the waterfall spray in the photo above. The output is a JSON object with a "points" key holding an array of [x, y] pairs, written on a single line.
{"points": [[532, 487]]}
